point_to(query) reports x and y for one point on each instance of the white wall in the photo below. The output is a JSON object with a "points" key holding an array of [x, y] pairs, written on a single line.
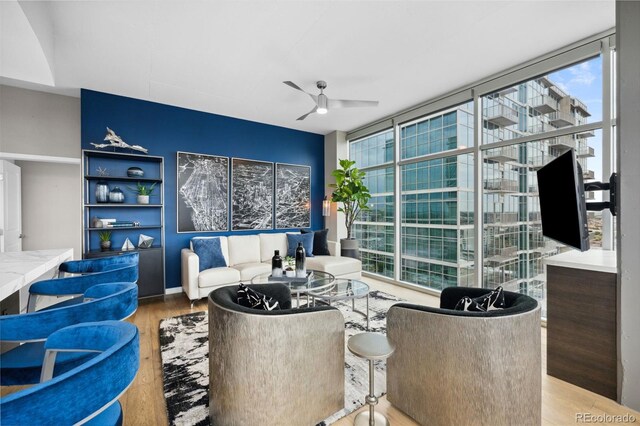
{"points": [[46, 124], [51, 212], [335, 149], [628, 129]]}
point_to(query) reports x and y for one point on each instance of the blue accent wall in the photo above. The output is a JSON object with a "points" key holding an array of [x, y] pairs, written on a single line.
{"points": [[164, 130]]}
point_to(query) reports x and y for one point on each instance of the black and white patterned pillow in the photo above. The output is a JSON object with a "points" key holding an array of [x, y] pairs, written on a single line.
{"points": [[488, 302], [468, 304], [253, 299]]}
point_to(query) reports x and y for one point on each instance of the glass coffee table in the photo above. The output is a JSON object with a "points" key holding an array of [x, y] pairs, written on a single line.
{"points": [[344, 289], [318, 281]]}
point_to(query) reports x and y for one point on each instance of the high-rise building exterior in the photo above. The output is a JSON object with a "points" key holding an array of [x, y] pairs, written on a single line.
{"points": [[437, 247]]}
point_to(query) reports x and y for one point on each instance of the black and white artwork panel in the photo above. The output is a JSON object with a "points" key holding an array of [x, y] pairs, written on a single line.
{"points": [[293, 196], [202, 192], [251, 194]]}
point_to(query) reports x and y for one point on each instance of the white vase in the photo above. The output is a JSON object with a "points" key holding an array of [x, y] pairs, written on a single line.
{"points": [[143, 199], [290, 274]]}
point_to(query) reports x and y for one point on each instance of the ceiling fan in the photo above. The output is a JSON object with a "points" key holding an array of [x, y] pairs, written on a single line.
{"points": [[324, 104]]}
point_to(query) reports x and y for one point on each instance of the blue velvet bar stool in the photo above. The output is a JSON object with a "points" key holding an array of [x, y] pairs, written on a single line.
{"points": [[88, 393], [23, 364], [99, 264], [75, 286]]}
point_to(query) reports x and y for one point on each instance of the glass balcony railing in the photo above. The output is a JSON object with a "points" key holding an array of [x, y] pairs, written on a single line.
{"points": [[501, 185], [562, 142], [501, 115], [588, 174], [502, 155], [585, 151], [500, 218], [544, 104], [562, 119]]}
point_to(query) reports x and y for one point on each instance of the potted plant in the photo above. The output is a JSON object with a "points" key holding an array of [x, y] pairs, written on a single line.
{"points": [[143, 192], [289, 265], [105, 240], [351, 191]]}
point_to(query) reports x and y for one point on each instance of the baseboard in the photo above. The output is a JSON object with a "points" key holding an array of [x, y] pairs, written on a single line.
{"points": [[173, 290]]}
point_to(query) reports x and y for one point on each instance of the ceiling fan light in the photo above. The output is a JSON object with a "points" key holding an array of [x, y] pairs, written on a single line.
{"points": [[322, 104]]}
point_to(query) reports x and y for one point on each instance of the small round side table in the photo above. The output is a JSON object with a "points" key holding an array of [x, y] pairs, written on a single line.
{"points": [[371, 346]]}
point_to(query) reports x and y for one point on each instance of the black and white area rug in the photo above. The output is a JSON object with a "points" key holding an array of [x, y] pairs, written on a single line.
{"points": [[184, 349]]}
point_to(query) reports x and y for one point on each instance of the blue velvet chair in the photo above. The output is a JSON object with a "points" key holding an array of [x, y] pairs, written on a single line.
{"points": [[99, 264], [77, 285], [23, 364], [87, 393]]}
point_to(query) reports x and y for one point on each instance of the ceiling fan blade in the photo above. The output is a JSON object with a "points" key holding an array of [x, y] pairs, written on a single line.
{"points": [[295, 86], [345, 103], [310, 112]]}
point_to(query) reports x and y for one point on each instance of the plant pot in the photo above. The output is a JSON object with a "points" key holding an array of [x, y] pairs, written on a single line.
{"points": [[290, 274], [349, 247], [105, 245], [143, 199]]}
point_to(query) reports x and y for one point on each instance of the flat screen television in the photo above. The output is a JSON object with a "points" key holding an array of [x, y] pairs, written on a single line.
{"points": [[562, 203]]}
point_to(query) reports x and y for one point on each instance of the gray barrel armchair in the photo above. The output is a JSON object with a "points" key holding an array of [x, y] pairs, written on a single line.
{"points": [[283, 367], [466, 368]]}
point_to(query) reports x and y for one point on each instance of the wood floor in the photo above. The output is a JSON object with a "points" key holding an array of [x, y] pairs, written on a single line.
{"points": [[144, 402]]}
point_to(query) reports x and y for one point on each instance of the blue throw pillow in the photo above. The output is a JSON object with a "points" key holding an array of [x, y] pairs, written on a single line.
{"points": [[305, 239], [209, 251]]}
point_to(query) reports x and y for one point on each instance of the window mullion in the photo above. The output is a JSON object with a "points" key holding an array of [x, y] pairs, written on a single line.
{"points": [[397, 203], [477, 185], [607, 133]]}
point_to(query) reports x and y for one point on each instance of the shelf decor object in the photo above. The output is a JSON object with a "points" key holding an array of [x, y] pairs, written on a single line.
{"points": [[116, 141], [123, 216], [102, 192], [135, 172], [145, 241], [116, 195]]}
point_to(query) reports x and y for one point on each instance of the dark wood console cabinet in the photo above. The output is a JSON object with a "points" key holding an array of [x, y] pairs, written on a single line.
{"points": [[581, 328]]}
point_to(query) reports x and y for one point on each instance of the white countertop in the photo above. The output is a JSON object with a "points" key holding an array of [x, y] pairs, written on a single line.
{"points": [[591, 260], [20, 268]]}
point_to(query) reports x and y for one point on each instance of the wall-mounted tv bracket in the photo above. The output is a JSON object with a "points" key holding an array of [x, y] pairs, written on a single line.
{"points": [[603, 186]]}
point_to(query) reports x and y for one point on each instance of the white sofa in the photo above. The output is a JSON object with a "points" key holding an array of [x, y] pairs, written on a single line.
{"points": [[250, 255]]}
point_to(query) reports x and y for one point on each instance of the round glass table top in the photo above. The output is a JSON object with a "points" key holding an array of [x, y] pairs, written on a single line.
{"points": [[342, 289], [317, 281]]}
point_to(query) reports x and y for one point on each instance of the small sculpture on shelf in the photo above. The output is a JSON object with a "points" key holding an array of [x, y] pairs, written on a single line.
{"points": [[116, 141], [102, 171], [128, 245], [145, 241]]}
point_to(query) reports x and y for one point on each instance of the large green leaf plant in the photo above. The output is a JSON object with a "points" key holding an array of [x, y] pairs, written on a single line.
{"points": [[351, 191]]}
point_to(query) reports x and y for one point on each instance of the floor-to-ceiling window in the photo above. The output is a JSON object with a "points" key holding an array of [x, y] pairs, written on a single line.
{"points": [[513, 245], [375, 227], [481, 155], [437, 241]]}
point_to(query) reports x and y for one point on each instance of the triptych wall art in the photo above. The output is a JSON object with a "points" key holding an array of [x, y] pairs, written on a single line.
{"points": [[203, 194]]}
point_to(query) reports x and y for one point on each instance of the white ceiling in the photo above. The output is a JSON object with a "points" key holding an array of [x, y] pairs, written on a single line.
{"points": [[230, 58]]}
